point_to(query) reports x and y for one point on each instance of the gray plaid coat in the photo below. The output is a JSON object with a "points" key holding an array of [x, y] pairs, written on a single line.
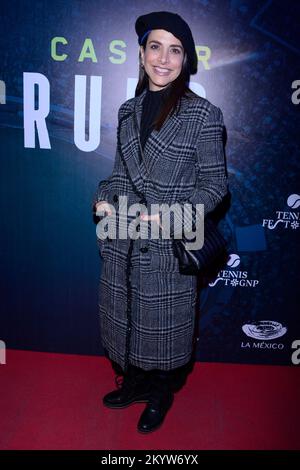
{"points": [[146, 307]]}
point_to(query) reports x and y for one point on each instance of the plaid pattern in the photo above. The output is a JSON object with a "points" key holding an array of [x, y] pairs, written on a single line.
{"points": [[146, 307]]}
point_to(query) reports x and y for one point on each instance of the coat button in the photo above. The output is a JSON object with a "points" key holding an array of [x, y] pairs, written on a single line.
{"points": [[115, 198], [144, 249]]}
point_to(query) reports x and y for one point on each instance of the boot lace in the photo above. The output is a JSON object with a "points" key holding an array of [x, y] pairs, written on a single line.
{"points": [[124, 382], [119, 380]]}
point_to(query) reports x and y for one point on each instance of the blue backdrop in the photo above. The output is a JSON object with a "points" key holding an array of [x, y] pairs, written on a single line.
{"points": [[248, 66]]}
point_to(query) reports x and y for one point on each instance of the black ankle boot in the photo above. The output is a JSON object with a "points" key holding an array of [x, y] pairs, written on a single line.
{"points": [[135, 388], [160, 401]]}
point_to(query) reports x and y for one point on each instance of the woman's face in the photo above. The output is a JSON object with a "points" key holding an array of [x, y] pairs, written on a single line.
{"points": [[162, 59]]}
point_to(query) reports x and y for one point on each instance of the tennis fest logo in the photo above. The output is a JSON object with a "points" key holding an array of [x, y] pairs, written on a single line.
{"points": [[287, 219], [234, 277]]}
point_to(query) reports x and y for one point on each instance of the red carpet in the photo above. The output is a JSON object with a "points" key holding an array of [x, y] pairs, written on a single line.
{"points": [[53, 401]]}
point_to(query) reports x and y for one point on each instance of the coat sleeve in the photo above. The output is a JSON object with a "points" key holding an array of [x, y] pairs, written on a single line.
{"points": [[211, 180], [103, 187]]}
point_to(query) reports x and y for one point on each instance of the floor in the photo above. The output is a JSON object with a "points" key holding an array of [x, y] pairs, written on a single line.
{"points": [[53, 401]]}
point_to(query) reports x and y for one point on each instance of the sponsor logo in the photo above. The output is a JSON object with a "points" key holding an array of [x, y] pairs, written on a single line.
{"points": [[285, 219], [234, 277], [264, 329]]}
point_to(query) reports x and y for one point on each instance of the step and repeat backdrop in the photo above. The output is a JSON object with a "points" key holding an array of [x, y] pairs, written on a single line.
{"points": [[65, 69]]}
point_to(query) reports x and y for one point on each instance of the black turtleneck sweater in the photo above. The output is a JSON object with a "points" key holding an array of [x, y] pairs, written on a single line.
{"points": [[152, 103]]}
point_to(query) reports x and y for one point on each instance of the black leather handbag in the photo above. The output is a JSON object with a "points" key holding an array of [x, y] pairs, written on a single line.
{"points": [[194, 262]]}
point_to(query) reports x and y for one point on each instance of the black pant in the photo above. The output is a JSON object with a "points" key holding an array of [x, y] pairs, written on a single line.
{"points": [[174, 379]]}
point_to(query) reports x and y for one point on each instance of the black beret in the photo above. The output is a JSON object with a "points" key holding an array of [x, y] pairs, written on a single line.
{"points": [[173, 23]]}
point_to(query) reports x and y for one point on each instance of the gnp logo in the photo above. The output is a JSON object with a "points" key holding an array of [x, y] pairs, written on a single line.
{"points": [[287, 219], [232, 277]]}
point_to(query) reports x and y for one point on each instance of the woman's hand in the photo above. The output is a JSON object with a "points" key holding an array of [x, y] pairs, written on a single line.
{"points": [[103, 206], [155, 217]]}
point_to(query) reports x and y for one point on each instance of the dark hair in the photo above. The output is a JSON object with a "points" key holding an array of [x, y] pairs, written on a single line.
{"points": [[179, 87]]}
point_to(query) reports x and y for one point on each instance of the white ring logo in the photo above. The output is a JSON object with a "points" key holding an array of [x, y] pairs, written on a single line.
{"points": [[264, 329]]}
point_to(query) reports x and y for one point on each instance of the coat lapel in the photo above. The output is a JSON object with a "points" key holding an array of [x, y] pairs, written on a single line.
{"points": [[156, 144]]}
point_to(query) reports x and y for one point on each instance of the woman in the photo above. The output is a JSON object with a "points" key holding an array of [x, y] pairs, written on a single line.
{"points": [[169, 151]]}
